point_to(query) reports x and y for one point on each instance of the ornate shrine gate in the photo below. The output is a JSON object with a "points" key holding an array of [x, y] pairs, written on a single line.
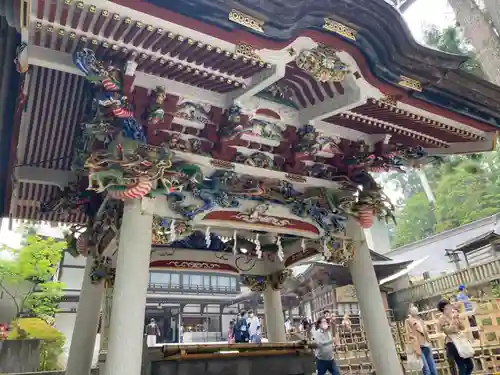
{"points": [[227, 140]]}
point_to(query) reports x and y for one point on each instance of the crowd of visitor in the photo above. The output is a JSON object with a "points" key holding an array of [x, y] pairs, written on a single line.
{"points": [[458, 347], [246, 328]]}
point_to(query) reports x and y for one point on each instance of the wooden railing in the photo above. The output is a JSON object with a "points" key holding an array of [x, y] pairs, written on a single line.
{"points": [[472, 276]]}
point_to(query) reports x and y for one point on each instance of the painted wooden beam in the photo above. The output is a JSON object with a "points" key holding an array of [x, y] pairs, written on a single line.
{"points": [[258, 83], [61, 61], [351, 98]]}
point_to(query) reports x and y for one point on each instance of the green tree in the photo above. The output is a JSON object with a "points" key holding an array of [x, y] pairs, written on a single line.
{"points": [[27, 278], [464, 194], [465, 188], [451, 41], [416, 220]]}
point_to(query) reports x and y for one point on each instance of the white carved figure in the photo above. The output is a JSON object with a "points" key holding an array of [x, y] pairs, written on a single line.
{"points": [[193, 111]]}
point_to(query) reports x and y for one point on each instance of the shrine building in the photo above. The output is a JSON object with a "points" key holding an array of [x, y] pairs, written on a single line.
{"points": [[234, 137]]}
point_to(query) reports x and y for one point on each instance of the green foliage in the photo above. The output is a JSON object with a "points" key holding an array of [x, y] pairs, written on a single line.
{"points": [[495, 289], [52, 341], [462, 197], [466, 188], [416, 220], [451, 41], [27, 277]]}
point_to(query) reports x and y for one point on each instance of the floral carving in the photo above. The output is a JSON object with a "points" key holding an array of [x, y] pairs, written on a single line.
{"points": [[101, 270], [263, 219], [264, 129], [165, 230], [258, 283], [193, 145], [338, 250], [323, 64], [255, 283], [191, 111], [278, 278], [257, 159], [234, 124], [311, 142], [73, 199]]}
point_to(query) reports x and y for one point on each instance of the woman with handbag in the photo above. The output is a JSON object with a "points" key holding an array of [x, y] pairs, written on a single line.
{"points": [[458, 346], [419, 341]]}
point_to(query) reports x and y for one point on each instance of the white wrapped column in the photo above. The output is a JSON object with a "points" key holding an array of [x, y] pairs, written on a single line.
{"points": [[275, 322], [83, 340], [126, 331], [376, 325]]}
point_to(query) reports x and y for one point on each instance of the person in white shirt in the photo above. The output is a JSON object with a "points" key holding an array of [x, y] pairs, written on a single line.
{"points": [[253, 327], [324, 351], [288, 325]]}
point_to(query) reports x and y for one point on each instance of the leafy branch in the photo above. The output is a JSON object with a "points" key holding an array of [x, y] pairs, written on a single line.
{"points": [[27, 277]]}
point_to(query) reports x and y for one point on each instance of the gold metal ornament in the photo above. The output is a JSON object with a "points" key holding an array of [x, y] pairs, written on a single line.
{"points": [[340, 29], [323, 64], [245, 20], [410, 83]]}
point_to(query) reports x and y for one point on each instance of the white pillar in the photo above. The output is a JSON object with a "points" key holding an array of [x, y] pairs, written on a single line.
{"points": [[84, 335], [377, 237], [275, 322], [107, 304], [125, 341], [376, 325]]}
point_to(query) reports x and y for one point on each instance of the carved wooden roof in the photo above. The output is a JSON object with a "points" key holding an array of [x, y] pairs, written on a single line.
{"points": [[372, 31]]}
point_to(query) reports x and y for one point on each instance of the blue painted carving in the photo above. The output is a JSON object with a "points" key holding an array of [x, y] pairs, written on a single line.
{"points": [[233, 126], [210, 199], [109, 101], [328, 216], [85, 60], [197, 240]]}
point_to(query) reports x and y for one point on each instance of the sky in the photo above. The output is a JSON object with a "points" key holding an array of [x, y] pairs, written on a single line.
{"points": [[422, 13], [12, 238], [428, 12]]}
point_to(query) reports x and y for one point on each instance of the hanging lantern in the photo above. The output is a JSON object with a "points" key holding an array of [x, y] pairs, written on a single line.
{"points": [[365, 217]]}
